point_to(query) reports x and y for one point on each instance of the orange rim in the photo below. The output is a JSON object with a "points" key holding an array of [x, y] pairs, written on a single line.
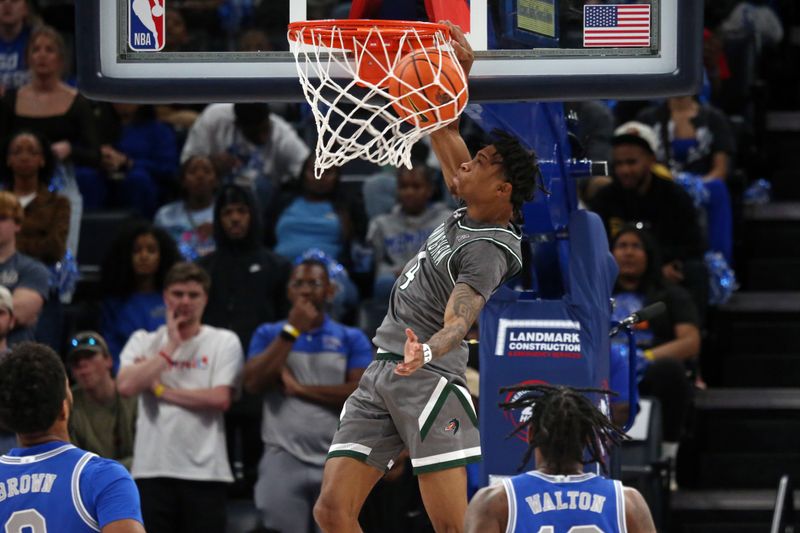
{"points": [[391, 30]]}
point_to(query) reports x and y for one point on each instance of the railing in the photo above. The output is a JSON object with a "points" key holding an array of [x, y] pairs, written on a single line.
{"points": [[783, 518]]}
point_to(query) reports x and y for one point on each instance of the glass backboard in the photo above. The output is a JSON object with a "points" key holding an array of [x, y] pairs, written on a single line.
{"points": [[236, 50]]}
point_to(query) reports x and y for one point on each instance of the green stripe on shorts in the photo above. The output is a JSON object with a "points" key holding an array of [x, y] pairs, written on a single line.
{"points": [[445, 465], [388, 356], [347, 453], [439, 403]]}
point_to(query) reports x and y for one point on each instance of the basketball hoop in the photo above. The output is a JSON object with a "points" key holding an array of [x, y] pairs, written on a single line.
{"points": [[361, 106]]}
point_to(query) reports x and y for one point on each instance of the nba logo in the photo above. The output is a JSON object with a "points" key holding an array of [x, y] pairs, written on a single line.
{"points": [[146, 27]]}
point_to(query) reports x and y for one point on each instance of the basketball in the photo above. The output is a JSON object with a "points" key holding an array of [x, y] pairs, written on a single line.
{"points": [[424, 80]]}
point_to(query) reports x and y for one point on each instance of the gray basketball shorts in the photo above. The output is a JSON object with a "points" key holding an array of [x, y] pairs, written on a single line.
{"points": [[425, 412]]}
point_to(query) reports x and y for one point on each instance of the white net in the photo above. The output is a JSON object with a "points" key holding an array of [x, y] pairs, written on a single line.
{"points": [[345, 76]]}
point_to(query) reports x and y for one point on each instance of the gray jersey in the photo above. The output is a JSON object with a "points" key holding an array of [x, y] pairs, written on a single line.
{"points": [[460, 250]]}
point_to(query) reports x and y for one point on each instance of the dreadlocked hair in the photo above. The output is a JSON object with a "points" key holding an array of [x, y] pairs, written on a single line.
{"points": [[520, 167], [564, 424]]}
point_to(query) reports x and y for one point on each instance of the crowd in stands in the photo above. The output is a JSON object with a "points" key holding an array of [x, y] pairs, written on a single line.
{"points": [[239, 265]]}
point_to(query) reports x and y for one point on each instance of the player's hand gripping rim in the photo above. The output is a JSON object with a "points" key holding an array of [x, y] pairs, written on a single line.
{"points": [[415, 354], [461, 46]]}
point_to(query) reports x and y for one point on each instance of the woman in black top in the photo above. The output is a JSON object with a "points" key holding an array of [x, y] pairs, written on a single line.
{"points": [[58, 112], [51, 107]]}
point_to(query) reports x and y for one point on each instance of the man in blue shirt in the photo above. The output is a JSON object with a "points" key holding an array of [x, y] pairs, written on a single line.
{"points": [[564, 428], [48, 484], [306, 367]]}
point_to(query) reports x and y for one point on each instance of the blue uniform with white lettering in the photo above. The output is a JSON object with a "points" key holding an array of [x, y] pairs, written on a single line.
{"points": [[584, 503], [58, 487]]}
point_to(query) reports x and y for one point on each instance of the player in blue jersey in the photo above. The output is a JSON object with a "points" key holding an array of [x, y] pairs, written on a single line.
{"points": [[565, 431], [47, 484]]}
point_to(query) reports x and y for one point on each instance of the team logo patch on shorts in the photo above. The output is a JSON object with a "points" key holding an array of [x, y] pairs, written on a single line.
{"points": [[453, 426]]}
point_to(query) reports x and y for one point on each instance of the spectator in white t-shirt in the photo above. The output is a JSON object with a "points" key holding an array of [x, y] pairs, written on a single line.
{"points": [[249, 146], [186, 374]]}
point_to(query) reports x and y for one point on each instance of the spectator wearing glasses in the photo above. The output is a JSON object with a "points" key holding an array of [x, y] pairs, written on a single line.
{"points": [[185, 374], [27, 168], [26, 164], [306, 367], [102, 421], [26, 278]]}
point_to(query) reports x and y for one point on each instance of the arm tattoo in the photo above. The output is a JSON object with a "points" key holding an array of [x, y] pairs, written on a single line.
{"points": [[462, 310]]}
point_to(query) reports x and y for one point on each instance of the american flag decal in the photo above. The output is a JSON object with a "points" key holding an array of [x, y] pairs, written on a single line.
{"points": [[615, 26]]}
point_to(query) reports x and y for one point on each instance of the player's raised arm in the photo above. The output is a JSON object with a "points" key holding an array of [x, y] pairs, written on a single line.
{"points": [[462, 310], [447, 143]]}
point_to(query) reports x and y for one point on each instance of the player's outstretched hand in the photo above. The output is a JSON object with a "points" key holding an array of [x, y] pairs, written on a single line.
{"points": [[413, 357], [461, 46]]}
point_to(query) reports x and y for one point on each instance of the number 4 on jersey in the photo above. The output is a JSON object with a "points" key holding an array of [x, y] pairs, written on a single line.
{"points": [[412, 272]]}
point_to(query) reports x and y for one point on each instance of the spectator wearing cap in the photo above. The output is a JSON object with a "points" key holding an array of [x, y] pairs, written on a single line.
{"points": [[249, 145], [695, 138], [638, 196], [26, 278], [102, 421], [7, 439]]}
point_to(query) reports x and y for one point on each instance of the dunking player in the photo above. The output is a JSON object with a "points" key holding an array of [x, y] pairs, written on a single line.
{"points": [[414, 395], [48, 484], [558, 495]]}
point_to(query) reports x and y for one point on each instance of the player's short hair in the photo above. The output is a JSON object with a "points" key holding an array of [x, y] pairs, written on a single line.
{"points": [[520, 167], [564, 424], [184, 272], [33, 386]]}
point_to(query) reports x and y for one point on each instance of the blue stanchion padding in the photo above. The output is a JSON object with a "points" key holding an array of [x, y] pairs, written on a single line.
{"points": [[720, 219], [560, 341], [540, 127]]}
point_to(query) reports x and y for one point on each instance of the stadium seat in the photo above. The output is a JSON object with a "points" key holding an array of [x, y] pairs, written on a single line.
{"points": [[640, 460], [98, 229]]}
